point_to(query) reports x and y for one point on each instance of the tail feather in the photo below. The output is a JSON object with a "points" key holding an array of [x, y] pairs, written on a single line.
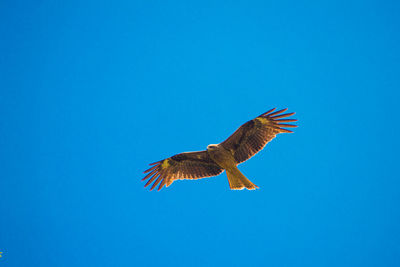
{"points": [[237, 181]]}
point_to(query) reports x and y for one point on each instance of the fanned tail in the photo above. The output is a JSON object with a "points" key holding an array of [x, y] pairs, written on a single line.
{"points": [[237, 181]]}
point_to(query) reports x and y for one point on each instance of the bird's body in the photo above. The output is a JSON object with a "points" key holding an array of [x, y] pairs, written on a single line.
{"points": [[221, 156], [245, 142], [225, 160]]}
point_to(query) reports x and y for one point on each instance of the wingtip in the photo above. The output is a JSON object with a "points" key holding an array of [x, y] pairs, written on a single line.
{"points": [[156, 175], [163, 182], [287, 125], [285, 130], [276, 116], [150, 174], [277, 112], [266, 113], [156, 183], [285, 120], [150, 169], [147, 184]]}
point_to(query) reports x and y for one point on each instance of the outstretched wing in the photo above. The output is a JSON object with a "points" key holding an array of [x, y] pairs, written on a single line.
{"points": [[252, 136], [188, 165]]}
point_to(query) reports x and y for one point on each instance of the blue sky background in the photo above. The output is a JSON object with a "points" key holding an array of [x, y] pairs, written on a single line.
{"points": [[93, 91]]}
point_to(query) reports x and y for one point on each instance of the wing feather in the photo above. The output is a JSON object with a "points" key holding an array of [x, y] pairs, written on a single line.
{"points": [[188, 165], [252, 136]]}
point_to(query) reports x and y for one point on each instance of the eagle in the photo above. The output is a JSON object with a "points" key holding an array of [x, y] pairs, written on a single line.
{"points": [[244, 143]]}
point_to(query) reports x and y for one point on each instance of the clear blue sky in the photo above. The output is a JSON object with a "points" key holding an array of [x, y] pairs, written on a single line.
{"points": [[93, 91]]}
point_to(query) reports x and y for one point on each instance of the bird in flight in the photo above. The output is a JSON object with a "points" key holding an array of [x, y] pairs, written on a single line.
{"points": [[244, 143]]}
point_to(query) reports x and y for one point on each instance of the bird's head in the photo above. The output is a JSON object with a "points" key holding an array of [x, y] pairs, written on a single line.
{"points": [[212, 147]]}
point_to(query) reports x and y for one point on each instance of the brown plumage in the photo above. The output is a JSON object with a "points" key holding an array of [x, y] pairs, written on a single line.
{"points": [[244, 143]]}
